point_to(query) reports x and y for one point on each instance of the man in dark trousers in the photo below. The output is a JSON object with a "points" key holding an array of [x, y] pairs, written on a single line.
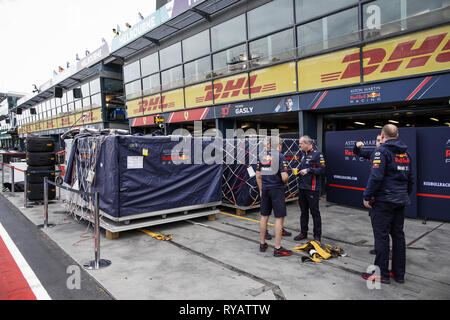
{"points": [[366, 154], [312, 167], [272, 177], [387, 193]]}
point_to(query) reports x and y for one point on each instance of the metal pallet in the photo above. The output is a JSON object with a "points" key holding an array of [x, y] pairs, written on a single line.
{"points": [[115, 225]]}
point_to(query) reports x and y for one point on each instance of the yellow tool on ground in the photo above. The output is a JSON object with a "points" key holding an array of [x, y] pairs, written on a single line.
{"points": [[163, 237], [318, 251]]}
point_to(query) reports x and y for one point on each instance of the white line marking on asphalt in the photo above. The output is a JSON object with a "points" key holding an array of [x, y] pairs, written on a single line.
{"points": [[34, 283]]}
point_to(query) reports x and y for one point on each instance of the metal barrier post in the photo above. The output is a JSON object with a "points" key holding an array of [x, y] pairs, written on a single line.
{"points": [[46, 224], [97, 263], [25, 188], [12, 180], [3, 175]]}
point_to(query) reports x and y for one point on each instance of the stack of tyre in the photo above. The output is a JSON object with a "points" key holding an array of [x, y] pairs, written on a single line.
{"points": [[40, 157]]}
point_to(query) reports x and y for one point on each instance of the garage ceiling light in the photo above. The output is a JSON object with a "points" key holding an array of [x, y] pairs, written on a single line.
{"points": [[434, 119], [360, 123], [393, 121]]}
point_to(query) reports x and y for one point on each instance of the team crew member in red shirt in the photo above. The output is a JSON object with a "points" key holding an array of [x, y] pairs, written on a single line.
{"points": [[272, 177], [312, 166]]}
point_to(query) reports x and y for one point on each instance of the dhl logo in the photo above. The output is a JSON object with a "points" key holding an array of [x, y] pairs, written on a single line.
{"points": [[403, 52], [234, 88], [65, 121], [154, 104]]}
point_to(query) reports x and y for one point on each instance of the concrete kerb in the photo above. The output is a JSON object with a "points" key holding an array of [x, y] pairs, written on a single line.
{"points": [[204, 264]]}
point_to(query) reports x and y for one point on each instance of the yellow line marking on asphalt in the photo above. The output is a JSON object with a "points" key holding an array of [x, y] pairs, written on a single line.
{"points": [[236, 216]]}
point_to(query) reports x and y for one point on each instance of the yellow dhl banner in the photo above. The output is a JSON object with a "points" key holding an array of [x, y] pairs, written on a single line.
{"points": [[93, 116], [228, 89], [195, 95], [96, 115], [423, 52], [324, 71], [172, 100], [56, 123], [418, 53], [151, 104], [274, 80], [72, 119], [78, 118], [50, 124], [40, 126], [64, 121], [134, 108]]}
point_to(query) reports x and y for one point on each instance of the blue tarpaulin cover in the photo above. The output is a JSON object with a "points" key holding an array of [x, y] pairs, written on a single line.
{"points": [[136, 175]]}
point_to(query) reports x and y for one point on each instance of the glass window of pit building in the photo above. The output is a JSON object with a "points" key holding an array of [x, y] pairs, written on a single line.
{"points": [[383, 17], [272, 48], [131, 72], [196, 46], [87, 103], [172, 78], [151, 84], [273, 16], [133, 89], [230, 60], [170, 56], [85, 90], [197, 70], [96, 100], [150, 64], [329, 32], [228, 33]]}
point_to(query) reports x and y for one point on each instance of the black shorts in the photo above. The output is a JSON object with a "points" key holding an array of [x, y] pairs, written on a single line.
{"points": [[273, 199]]}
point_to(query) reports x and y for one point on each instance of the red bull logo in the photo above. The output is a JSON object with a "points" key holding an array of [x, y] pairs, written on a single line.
{"points": [[373, 95], [349, 153]]}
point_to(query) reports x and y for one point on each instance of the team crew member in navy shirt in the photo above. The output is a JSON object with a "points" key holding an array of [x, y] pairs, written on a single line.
{"points": [[312, 166], [272, 176], [387, 193], [367, 154]]}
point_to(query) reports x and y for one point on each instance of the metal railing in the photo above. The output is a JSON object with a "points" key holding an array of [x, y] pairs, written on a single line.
{"points": [[13, 169], [97, 263]]}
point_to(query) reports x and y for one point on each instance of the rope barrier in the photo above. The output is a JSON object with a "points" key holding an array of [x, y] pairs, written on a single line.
{"points": [[90, 194]]}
